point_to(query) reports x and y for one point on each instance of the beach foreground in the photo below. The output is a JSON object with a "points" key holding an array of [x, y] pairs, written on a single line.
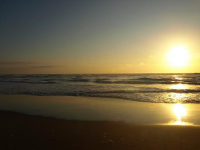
{"points": [[19, 131], [87, 123], [102, 109]]}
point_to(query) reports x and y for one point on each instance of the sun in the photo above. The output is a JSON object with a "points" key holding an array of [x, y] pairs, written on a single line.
{"points": [[178, 56]]}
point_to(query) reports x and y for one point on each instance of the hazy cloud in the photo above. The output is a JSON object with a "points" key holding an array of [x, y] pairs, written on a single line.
{"points": [[27, 63], [44, 66], [17, 62]]}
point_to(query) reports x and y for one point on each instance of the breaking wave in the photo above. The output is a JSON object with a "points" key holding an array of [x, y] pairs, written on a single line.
{"points": [[159, 88]]}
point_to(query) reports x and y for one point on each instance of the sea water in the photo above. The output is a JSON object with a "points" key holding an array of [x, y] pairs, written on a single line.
{"points": [[157, 88]]}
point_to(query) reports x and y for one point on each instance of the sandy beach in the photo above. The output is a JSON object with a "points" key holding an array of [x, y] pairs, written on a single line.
{"points": [[19, 131], [51, 122]]}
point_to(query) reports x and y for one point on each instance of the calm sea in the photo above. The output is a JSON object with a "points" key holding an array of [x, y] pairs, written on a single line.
{"points": [[158, 88]]}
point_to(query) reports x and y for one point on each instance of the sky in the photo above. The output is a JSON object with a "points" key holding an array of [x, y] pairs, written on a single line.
{"points": [[105, 36]]}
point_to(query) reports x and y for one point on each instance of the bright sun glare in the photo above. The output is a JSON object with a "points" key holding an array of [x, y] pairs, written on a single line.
{"points": [[178, 56], [179, 111]]}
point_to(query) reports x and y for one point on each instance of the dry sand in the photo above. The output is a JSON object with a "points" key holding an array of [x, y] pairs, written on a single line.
{"points": [[26, 132]]}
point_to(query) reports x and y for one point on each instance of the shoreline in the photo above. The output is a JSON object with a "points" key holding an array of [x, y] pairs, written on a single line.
{"points": [[102, 109]]}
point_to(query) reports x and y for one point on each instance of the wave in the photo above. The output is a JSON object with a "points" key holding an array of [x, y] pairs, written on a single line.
{"points": [[78, 80], [147, 81], [136, 87], [159, 96], [30, 82], [103, 79]]}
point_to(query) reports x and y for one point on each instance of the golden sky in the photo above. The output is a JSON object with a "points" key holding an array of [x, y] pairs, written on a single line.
{"points": [[98, 37]]}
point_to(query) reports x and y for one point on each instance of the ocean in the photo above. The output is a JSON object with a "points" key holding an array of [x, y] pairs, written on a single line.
{"points": [[155, 88]]}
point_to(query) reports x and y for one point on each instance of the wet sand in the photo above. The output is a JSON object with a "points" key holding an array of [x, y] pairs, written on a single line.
{"points": [[19, 131], [102, 109], [64, 122]]}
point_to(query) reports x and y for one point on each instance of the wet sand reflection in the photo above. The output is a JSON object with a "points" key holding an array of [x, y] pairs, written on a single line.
{"points": [[180, 112]]}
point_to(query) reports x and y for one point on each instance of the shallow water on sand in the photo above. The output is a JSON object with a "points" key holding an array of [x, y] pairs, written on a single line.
{"points": [[103, 109]]}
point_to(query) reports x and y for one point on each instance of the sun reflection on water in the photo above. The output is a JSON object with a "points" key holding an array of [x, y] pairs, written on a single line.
{"points": [[178, 87], [177, 97], [178, 78], [180, 111]]}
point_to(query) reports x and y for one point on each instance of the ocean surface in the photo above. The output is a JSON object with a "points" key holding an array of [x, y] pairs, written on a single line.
{"points": [[157, 88]]}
